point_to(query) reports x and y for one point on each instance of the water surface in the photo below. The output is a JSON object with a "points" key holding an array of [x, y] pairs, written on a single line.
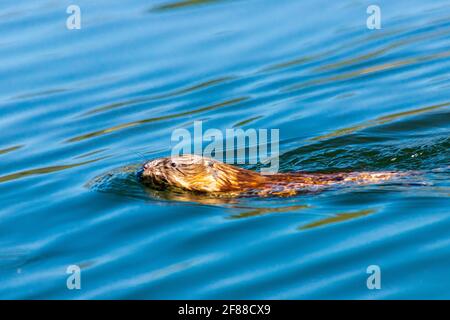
{"points": [[81, 109]]}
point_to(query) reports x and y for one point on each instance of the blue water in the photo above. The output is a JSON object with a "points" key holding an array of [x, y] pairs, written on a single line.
{"points": [[81, 109]]}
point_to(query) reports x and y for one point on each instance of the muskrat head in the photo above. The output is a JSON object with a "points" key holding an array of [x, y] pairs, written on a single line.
{"points": [[196, 173]]}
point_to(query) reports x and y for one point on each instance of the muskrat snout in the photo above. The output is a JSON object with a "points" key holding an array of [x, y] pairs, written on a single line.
{"points": [[151, 166], [140, 172], [154, 173]]}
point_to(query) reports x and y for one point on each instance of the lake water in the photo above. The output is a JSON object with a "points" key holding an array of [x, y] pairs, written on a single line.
{"points": [[81, 109]]}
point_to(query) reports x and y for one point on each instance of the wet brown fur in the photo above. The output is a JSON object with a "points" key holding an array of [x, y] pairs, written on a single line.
{"points": [[205, 175]]}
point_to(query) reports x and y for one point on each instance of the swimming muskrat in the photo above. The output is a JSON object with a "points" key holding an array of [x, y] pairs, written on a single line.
{"points": [[204, 175]]}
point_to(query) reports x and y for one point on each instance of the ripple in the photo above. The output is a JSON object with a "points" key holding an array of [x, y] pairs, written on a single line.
{"points": [[175, 93], [181, 4], [340, 217], [388, 66], [382, 120], [10, 149], [155, 119], [44, 170], [152, 276]]}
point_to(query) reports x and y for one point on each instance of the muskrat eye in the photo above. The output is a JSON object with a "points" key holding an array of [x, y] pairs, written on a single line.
{"points": [[173, 164]]}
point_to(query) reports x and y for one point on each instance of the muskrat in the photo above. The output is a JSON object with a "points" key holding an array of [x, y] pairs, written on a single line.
{"points": [[204, 175]]}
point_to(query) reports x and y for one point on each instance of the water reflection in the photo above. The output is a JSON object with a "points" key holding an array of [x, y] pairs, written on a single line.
{"points": [[181, 4], [364, 71], [193, 88], [45, 170], [257, 211], [10, 149], [115, 128], [340, 217], [381, 120]]}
